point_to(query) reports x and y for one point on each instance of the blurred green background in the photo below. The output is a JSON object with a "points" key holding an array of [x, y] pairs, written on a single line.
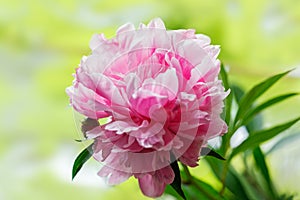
{"points": [[42, 42]]}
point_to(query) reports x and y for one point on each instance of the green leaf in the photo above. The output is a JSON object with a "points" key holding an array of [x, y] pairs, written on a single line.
{"points": [[249, 189], [170, 190], [226, 115], [176, 184], [224, 77], [78, 140], [238, 92], [248, 99], [81, 159], [256, 138], [205, 151], [208, 189], [255, 124], [228, 100], [254, 111], [260, 162], [201, 190], [287, 197], [231, 181], [284, 141]]}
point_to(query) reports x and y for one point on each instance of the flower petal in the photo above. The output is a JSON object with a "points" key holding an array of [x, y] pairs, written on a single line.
{"points": [[157, 23], [125, 27], [114, 176], [154, 185]]}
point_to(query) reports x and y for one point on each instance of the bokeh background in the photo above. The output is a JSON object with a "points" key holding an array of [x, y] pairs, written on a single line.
{"points": [[42, 42]]}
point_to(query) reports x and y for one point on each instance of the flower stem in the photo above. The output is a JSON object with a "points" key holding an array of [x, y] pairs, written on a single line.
{"points": [[231, 130], [191, 180], [223, 178]]}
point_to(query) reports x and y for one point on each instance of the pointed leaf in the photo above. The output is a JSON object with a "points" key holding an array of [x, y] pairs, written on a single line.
{"points": [[209, 190], [81, 159], [231, 182], [228, 100], [256, 138], [78, 140], [238, 92], [205, 151], [247, 185], [250, 114], [256, 92], [176, 184], [170, 190], [260, 162], [226, 115], [224, 77], [254, 123], [200, 190]]}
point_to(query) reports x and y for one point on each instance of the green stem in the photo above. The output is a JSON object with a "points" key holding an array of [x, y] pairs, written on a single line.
{"points": [[191, 180], [223, 178], [231, 130]]}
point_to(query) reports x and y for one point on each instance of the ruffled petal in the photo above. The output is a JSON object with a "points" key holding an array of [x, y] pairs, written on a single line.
{"points": [[87, 102]]}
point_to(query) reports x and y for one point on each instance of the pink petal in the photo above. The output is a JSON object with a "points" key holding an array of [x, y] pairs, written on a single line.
{"points": [[191, 50], [87, 102], [101, 57], [204, 39], [143, 39], [179, 35], [96, 40], [106, 88], [125, 27], [191, 155], [114, 176], [95, 132], [156, 23], [154, 185], [124, 126]]}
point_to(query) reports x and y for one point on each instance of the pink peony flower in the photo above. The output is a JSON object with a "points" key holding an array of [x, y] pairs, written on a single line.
{"points": [[161, 95]]}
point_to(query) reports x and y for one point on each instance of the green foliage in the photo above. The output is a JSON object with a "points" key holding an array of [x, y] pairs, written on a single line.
{"points": [[257, 138], [241, 186], [248, 99], [251, 113], [176, 184], [231, 180], [200, 190], [245, 184], [205, 151], [84, 156], [260, 162]]}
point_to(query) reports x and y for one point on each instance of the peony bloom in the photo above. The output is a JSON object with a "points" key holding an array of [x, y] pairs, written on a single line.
{"points": [[160, 93]]}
